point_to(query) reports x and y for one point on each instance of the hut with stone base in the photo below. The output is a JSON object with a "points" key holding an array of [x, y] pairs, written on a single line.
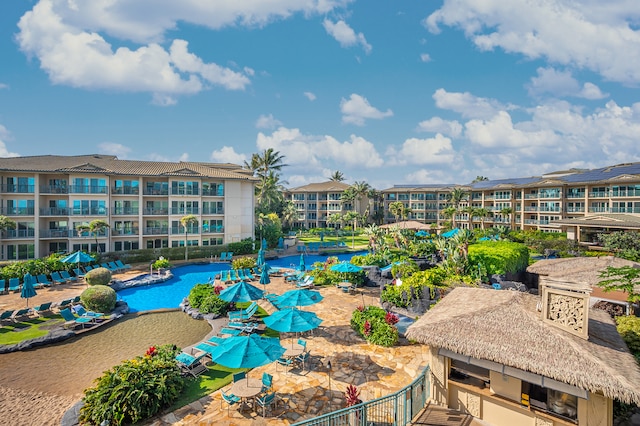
{"points": [[512, 358]]}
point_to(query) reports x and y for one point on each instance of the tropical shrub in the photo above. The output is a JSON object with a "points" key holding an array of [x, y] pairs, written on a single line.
{"points": [[243, 263], [242, 247], [98, 276], [373, 324], [404, 268], [204, 297], [629, 329], [161, 263], [134, 390], [499, 257], [99, 298], [625, 243], [413, 287]]}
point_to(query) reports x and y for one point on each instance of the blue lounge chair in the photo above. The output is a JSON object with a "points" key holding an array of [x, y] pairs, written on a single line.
{"points": [[14, 284], [229, 256], [307, 282], [223, 256], [55, 276], [224, 276], [88, 268], [42, 308], [21, 313], [243, 315], [249, 274], [215, 340], [72, 320], [43, 280], [240, 275], [79, 273], [233, 276], [230, 331], [81, 311], [122, 265], [3, 286], [6, 315], [68, 277], [191, 364], [65, 303]]}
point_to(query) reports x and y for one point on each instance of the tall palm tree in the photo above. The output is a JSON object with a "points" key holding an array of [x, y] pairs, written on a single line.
{"points": [[347, 196], [266, 162], [480, 179], [506, 212], [360, 190], [269, 192], [187, 222], [289, 213], [337, 176], [375, 201], [483, 214], [94, 227], [456, 197], [396, 208]]}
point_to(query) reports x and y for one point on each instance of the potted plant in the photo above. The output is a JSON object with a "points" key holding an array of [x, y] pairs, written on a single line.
{"points": [[161, 265]]}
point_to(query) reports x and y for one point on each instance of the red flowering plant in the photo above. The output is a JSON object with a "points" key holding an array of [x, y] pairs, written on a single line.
{"points": [[367, 328], [352, 396], [217, 289], [151, 351], [360, 308], [391, 318]]}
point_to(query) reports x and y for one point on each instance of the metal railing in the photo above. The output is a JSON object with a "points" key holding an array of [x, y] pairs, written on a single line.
{"points": [[397, 409]]}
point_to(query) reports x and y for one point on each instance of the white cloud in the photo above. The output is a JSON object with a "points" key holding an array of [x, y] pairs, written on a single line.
{"points": [[357, 109], [116, 149], [4, 152], [345, 35], [424, 57], [154, 156], [436, 150], [499, 132], [227, 154], [466, 104], [589, 34], [267, 122], [310, 95], [312, 153], [69, 38], [3, 86], [438, 125], [561, 84]]}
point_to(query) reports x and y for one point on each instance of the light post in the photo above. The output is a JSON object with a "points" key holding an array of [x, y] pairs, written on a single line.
{"points": [[330, 393], [353, 234]]}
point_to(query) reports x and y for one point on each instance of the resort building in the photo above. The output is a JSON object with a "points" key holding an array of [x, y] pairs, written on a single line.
{"points": [[317, 202], [513, 358], [50, 196], [579, 202]]}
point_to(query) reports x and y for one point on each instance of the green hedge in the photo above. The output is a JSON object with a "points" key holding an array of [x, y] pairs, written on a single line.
{"points": [[629, 329], [413, 287], [204, 297], [99, 298], [499, 257], [375, 325]]}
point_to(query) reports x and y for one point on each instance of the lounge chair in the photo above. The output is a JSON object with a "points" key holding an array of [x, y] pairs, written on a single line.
{"points": [[68, 277], [249, 274], [43, 280], [230, 256], [14, 284], [205, 347], [65, 303], [233, 276], [3, 286], [109, 267], [88, 268], [72, 320], [243, 315], [190, 364], [241, 276], [79, 273], [113, 267], [55, 276], [82, 312], [21, 313], [122, 265], [224, 277], [307, 282], [6, 315], [230, 331], [215, 340], [42, 308], [223, 255]]}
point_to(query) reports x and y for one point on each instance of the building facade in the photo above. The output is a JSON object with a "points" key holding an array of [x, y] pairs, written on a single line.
{"points": [[50, 196], [554, 202]]}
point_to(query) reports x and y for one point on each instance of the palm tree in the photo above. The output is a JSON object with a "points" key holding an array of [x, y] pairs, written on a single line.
{"points": [[506, 212], [456, 197], [289, 213], [337, 176], [360, 190], [479, 179], [94, 227], [7, 223], [187, 222], [335, 218], [269, 192], [263, 164], [347, 196], [375, 199], [396, 208], [482, 213]]}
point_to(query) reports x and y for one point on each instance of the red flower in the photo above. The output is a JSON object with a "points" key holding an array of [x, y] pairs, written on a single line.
{"points": [[367, 328], [360, 308], [217, 289], [151, 351], [391, 318]]}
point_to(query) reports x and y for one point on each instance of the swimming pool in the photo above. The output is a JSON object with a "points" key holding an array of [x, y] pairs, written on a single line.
{"points": [[171, 293]]}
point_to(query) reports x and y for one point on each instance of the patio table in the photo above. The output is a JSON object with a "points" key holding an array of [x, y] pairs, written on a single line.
{"points": [[292, 350], [345, 286], [247, 388]]}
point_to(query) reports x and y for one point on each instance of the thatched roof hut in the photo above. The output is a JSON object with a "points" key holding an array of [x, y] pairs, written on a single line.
{"points": [[407, 224], [505, 327]]}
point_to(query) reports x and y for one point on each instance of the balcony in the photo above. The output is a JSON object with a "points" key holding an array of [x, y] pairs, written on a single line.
{"points": [[575, 210], [99, 211], [598, 195], [531, 209], [185, 191], [531, 221], [102, 234], [178, 230], [18, 211], [19, 233], [130, 231], [17, 189], [212, 193], [88, 189], [549, 209], [574, 195], [629, 193], [185, 211], [156, 191], [212, 211], [124, 211], [156, 231], [58, 233], [599, 210], [531, 196], [156, 212], [126, 190], [550, 195], [625, 210], [212, 229], [54, 189], [55, 211]]}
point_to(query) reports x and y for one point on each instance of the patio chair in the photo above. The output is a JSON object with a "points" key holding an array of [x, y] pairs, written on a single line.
{"points": [[215, 340], [43, 280], [120, 264], [65, 303], [21, 313], [249, 274], [302, 359], [239, 376], [303, 343], [190, 364], [72, 320], [223, 255], [269, 400], [6, 315], [229, 256], [224, 276], [286, 362], [42, 308], [55, 276], [14, 284], [68, 277], [307, 282], [3, 286], [230, 399], [267, 382]]}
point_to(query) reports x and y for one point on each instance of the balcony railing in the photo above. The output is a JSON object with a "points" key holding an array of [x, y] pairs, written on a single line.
{"points": [[155, 191], [88, 189], [87, 234], [549, 209], [184, 211], [579, 195], [550, 195], [156, 212], [58, 233], [19, 233], [126, 190], [130, 231], [531, 221], [212, 211], [212, 193], [99, 211], [18, 211], [122, 211], [599, 210], [156, 231], [185, 191], [598, 195], [212, 229], [54, 189], [530, 196], [17, 189], [629, 193], [178, 230], [625, 210], [55, 211], [575, 210]]}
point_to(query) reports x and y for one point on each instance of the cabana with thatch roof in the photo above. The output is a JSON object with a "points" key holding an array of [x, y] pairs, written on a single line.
{"points": [[407, 224], [499, 356]]}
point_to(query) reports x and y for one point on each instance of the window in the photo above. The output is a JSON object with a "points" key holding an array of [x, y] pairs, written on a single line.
{"points": [[184, 188], [212, 207], [126, 245], [549, 400], [212, 242], [470, 374], [21, 251], [157, 243]]}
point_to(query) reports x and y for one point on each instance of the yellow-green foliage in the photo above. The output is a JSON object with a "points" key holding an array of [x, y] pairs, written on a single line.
{"points": [[413, 287], [243, 262], [99, 298], [98, 276], [499, 257], [629, 329]]}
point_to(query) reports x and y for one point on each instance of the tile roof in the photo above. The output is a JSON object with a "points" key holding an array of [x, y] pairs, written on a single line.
{"points": [[322, 187], [111, 165]]}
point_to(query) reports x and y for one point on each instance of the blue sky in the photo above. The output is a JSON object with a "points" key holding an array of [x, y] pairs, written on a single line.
{"points": [[385, 91]]}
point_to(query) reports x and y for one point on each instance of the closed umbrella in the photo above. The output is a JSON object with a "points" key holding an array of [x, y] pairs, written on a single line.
{"points": [[304, 297], [264, 243], [302, 266], [247, 351], [260, 259], [241, 292], [28, 291], [264, 276]]}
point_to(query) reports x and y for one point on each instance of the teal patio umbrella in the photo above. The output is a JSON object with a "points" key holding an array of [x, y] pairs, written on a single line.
{"points": [[77, 257], [28, 291], [247, 351], [241, 292], [260, 259], [292, 320], [345, 267], [302, 266], [264, 276], [304, 297]]}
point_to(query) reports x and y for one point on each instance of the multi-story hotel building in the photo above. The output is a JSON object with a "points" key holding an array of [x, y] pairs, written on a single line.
{"points": [[50, 196], [580, 202]]}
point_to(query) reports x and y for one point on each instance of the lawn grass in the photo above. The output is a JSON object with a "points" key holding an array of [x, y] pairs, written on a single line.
{"points": [[215, 378], [28, 329], [360, 240]]}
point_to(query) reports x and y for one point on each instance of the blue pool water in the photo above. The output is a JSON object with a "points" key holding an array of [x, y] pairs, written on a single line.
{"points": [[403, 323], [170, 293]]}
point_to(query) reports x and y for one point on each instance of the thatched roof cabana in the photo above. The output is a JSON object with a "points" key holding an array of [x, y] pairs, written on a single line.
{"points": [[505, 327], [407, 224]]}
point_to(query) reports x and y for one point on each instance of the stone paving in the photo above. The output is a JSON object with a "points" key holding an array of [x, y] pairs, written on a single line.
{"points": [[307, 393]]}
